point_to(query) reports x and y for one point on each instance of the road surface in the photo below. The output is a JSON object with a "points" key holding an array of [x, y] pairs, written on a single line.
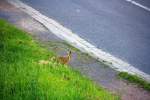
{"points": [[117, 26]]}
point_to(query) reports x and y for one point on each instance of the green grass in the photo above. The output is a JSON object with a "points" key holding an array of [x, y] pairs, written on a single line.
{"points": [[135, 79], [23, 78]]}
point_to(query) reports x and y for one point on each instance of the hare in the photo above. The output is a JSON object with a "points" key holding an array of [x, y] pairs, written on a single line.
{"points": [[65, 59]]}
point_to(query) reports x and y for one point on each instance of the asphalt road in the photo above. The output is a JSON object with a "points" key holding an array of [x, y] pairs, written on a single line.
{"points": [[115, 26]]}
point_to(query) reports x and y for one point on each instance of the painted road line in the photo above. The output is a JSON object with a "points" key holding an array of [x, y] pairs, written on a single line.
{"points": [[76, 41], [139, 5]]}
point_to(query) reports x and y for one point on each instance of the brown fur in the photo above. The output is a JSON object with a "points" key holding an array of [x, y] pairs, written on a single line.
{"points": [[65, 59]]}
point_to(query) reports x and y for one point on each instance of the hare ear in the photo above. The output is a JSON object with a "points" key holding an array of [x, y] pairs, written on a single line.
{"points": [[70, 52]]}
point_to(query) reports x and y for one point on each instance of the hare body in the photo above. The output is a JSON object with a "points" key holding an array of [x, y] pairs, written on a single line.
{"points": [[65, 59]]}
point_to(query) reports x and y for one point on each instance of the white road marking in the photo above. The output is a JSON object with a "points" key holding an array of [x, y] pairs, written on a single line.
{"points": [[139, 5], [76, 41]]}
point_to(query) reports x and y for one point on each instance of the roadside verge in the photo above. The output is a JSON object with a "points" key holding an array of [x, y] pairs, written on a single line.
{"points": [[78, 42]]}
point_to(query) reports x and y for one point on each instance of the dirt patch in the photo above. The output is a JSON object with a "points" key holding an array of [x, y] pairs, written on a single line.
{"points": [[4, 6], [30, 25]]}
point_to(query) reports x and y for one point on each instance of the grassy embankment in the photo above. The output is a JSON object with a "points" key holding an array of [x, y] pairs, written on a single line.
{"points": [[135, 80], [22, 77]]}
